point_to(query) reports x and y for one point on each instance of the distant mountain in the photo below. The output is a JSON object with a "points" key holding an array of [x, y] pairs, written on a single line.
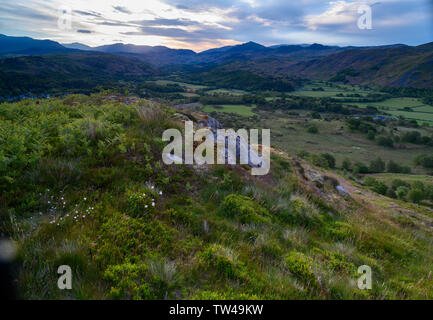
{"points": [[29, 46], [391, 66], [77, 46], [388, 65], [156, 56]]}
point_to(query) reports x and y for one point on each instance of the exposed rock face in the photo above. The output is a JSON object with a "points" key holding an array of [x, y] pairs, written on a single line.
{"points": [[242, 151], [342, 191]]}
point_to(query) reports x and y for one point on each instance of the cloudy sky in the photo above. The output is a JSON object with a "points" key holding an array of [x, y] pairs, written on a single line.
{"points": [[200, 24]]}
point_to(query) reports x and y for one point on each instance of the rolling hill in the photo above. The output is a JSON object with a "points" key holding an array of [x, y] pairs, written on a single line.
{"points": [[79, 70], [388, 66], [29, 46], [395, 65]]}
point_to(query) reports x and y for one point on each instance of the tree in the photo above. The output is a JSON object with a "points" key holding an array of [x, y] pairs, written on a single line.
{"points": [[359, 167], [385, 141], [371, 135], [391, 193], [401, 192], [416, 195], [330, 158], [399, 183], [380, 188], [424, 160], [313, 129], [377, 166], [347, 164], [393, 167]]}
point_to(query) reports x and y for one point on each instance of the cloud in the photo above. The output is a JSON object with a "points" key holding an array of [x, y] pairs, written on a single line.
{"points": [[86, 13], [167, 22], [338, 14], [122, 9], [197, 23]]}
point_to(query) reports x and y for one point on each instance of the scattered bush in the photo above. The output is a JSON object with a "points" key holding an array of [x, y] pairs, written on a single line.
{"points": [[244, 209], [312, 129], [222, 260], [301, 266]]}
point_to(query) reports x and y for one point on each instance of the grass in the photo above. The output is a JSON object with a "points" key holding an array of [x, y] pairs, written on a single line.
{"points": [[82, 184], [388, 177], [233, 92], [242, 110], [393, 106], [182, 84], [329, 92], [290, 134]]}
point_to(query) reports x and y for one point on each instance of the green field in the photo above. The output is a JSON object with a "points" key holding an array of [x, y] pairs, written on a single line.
{"points": [[289, 133], [388, 177], [182, 84], [242, 110], [232, 92], [395, 104], [329, 92]]}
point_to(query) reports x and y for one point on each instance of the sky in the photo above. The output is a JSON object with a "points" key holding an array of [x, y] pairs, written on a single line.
{"points": [[199, 25]]}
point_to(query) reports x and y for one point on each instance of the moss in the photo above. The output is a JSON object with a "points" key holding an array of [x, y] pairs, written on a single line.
{"points": [[123, 237]]}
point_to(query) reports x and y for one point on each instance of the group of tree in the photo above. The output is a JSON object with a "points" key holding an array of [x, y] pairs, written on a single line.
{"points": [[230, 99], [426, 94], [376, 166], [323, 160], [382, 137], [305, 103], [415, 191], [424, 160]]}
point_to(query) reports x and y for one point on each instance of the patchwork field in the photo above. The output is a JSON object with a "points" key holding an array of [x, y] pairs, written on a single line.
{"points": [[242, 110]]}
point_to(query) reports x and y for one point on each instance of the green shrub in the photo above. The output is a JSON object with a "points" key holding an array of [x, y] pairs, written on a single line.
{"points": [[415, 195], [142, 203], [301, 266], [398, 183], [127, 281], [335, 261], [223, 261], [229, 294], [124, 237], [360, 168], [402, 192], [339, 230], [312, 129], [369, 181], [244, 209], [380, 187], [377, 165], [330, 159], [346, 164]]}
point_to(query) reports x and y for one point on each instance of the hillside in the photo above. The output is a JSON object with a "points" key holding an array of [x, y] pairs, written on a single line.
{"points": [[82, 184], [381, 66], [399, 66], [29, 46], [57, 72]]}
